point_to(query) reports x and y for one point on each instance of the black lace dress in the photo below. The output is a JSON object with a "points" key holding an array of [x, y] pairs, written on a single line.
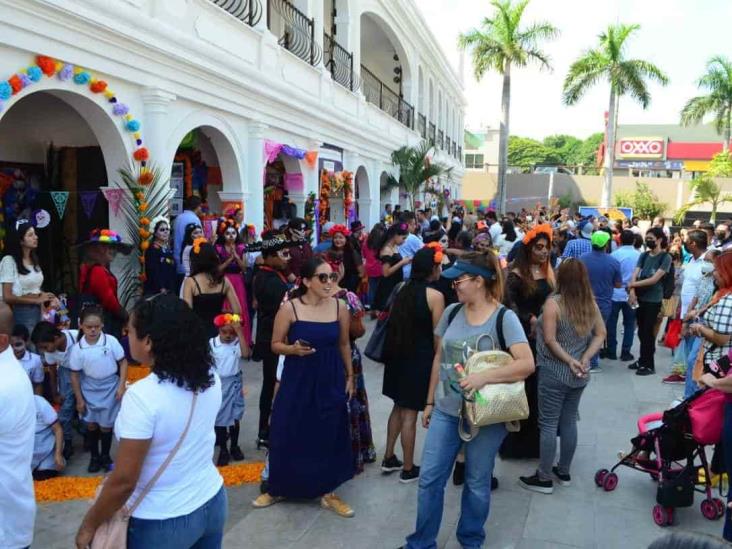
{"points": [[387, 283]]}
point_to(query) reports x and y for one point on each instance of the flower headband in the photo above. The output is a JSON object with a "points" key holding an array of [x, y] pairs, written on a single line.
{"points": [[225, 224], [545, 229], [227, 319], [439, 254], [197, 245], [339, 229]]}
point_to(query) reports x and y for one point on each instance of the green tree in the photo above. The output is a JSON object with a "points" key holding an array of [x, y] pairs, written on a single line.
{"points": [[565, 146], [416, 170], [705, 190], [586, 154], [718, 82], [643, 200], [524, 152], [608, 61], [499, 44]]}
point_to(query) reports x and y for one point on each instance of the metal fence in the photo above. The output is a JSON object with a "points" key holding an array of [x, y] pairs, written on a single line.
{"points": [[247, 11], [298, 35], [422, 126], [379, 94], [339, 62]]}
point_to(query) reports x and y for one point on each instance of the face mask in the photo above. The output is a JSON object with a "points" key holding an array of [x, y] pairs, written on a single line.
{"points": [[650, 244]]}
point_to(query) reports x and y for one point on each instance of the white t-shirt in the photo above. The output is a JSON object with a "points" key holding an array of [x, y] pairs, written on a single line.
{"points": [[226, 356], [495, 231], [45, 414], [62, 357], [157, 410], [98, 360], [692, 278], [31, 363], [17, 433], [22, 284], [186, 260]]}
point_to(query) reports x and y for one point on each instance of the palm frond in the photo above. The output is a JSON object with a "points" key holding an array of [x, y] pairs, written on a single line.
{"points": [[697, 108]]}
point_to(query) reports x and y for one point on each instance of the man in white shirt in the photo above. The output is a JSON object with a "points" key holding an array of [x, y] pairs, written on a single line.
{"points": [[17, 431], [696, 245], [494, 227], [190, 213]]}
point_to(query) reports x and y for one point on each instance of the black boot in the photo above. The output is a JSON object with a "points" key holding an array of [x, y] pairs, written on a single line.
{"points": [[221, 436], [236, 453], [68, 448], [105, 460], [92, 438]]}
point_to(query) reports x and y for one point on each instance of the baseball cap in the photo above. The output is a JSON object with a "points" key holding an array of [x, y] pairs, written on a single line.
{"points": [[585, 228], [600, 239]]}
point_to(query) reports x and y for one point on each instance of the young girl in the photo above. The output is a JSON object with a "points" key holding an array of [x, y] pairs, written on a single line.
{"points": [[56, 345], [30, 362], [227, 349], [100, 386], [48, 460]]}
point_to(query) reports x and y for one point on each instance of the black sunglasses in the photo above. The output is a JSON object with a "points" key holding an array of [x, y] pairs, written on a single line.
{"points": [[323, 277]]}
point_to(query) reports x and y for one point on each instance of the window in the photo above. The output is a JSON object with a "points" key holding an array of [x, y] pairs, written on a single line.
{"points": [[474, 161]]}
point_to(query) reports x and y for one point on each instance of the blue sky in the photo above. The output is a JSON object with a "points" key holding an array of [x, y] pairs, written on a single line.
{"points": [[677, 35]]}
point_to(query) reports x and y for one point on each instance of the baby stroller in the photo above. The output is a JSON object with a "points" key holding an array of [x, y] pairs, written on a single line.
{"points": [[668, 447]]}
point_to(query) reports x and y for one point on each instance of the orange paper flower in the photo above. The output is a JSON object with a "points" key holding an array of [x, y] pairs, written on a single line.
{"points": [[144, 221], [146, 177], [144, 245], [142, 206], [141, 154], [98, 87]]}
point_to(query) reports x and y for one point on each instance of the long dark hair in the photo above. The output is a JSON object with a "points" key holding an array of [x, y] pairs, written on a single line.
{"points": [[400, 333], [179, 341], [14, 248], [508, 229], [375, 236], [307, 271], [187, 237], [349, 255], [206, 261], [522, 263], [399, 228]]}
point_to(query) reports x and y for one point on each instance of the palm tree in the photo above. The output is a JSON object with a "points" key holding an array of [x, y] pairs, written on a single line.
{"points": [[705, 190], [500, 44], [415, 170], [626, 76], [718, 82]]}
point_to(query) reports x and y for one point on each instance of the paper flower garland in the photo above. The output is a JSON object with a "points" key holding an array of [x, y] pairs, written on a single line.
{"points": [[331, 184]]}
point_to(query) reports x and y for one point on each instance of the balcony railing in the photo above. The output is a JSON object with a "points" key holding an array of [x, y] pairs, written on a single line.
{"points": [[432, 135], [441, 139], [422, 126], [298, 33], [460, 154], [379, 94], [447, 145], [454, 149], [247, 11], [339, 62]]}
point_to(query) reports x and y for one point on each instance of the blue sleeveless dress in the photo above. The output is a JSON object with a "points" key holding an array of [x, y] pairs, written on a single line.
{"points": [[310, 451]]}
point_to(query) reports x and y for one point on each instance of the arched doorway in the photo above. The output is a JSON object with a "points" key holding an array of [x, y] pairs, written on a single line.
{"points": [[58, 149], [363, 197], [281, 177]]}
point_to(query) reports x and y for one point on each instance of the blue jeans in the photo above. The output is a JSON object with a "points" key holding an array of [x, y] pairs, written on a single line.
{"points": [[440, 450], [693, 344], [201, 529], [595, 360], [67, 412], [628, 327], [373, 284]]}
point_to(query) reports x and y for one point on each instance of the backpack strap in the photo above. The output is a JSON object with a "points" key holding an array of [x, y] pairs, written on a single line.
{"points": [[499, 328], [454, 313]]}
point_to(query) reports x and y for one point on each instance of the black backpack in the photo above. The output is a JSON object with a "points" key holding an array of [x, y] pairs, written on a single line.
{"points": [[499, 323], [669, 282]]}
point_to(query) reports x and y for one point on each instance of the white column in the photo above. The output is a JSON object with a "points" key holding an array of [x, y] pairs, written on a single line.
{"points": [[255, 164], [156, 103], [311, 183]]}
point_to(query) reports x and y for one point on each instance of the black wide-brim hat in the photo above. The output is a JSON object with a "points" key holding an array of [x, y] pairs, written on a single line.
{"points": [[107, 238]]}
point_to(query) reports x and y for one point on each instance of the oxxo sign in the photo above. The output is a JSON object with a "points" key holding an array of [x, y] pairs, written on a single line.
{"points": [[641, 147]]}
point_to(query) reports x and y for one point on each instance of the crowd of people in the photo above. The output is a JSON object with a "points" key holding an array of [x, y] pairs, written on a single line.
{"points": [[545, 287]]}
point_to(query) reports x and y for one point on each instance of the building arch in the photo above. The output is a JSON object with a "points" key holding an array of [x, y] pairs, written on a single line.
{"points": [[421, 92], [363, 194]]}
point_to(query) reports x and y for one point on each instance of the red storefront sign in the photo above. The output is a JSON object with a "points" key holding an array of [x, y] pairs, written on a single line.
{"points": [[640, 147]]}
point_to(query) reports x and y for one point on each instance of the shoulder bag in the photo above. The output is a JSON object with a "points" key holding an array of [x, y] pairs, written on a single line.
{"points": [[375, 346], [494, 402], [112, 534]]}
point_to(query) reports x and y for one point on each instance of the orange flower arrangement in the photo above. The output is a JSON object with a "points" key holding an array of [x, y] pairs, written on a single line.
{"points": [[144, 221], [439, 254], [324, 196], [146, 177], [544, 229], [197, 245], [144, 233], [142, 206], [141, 154]]}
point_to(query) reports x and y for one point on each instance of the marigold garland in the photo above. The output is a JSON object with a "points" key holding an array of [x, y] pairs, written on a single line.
{"points": [[70, 488], [332, 184]]}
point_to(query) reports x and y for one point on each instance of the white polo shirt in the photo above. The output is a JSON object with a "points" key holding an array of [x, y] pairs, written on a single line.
{"points": [[226, 356], [98, 360]]}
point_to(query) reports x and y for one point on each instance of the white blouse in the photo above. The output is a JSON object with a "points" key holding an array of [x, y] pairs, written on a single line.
{"points": [[23, 284]]}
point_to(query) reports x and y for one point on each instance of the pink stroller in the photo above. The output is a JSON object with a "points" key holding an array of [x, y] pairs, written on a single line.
{"points": [[667, 447]]}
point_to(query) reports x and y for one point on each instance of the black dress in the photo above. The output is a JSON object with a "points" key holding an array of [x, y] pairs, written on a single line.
{"points": [[160, 271], [387, 283], [525, 443], [408, 365], [208, 306]]}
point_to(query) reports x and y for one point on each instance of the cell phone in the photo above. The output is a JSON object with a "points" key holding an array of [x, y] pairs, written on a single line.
{"points": [[305, 343]]}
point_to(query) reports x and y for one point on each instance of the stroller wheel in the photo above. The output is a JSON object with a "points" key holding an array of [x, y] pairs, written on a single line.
{"points": [[721, 507], [709, 509], [600, 476], [610, 482], [663, 516]]}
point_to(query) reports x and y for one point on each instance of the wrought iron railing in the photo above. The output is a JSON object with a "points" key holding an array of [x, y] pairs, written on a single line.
{"points": [[379, 94], [339, 62], [432, 135], [454, 149], [447, 145], [247, 11], [298, 33], [422, 126], [440, 139]]}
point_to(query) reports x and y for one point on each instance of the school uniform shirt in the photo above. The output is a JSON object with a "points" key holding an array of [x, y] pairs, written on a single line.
{"points": [[61, 358], [46, 416], [99, 360], [17, 430], [31, 363], [226, 356], [158, 410]]}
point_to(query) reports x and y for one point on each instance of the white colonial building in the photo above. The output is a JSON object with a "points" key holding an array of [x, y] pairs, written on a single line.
{"points": [[212, 85]]}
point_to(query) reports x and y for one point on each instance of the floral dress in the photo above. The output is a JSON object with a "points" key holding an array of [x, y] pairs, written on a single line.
{"points": [[362, 439]]}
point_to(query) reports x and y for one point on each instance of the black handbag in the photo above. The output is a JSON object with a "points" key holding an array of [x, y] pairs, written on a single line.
{"points": [[678, 490], [375, 346]]}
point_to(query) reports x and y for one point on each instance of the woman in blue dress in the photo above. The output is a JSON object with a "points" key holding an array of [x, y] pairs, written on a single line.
{"points": [[310, 451]]}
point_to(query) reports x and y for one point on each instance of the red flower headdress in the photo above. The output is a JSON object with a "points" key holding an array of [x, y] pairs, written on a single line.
{"points": [[544, 229], [439, 254], [339, 229]]}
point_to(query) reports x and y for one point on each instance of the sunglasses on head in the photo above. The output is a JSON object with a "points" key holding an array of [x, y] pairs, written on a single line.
{"points": [[323, 277]]}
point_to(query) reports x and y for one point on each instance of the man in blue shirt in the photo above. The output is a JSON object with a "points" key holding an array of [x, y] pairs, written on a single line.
{"points": [[412, 244], [580, 245], [190, 213], [627, 256], [325, 243], [604, 273]]}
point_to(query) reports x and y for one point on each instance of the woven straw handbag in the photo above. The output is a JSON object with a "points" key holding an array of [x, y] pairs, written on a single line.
{"points": [[494, 402]]}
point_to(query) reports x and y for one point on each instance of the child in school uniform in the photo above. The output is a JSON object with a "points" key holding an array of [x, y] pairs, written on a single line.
{"points": [[56, 344], [31, 362], [48, 460], [95, 362], [227, 350]]}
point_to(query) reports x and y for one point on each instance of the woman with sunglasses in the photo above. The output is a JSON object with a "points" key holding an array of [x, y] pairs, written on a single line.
{"points": [[233, 258], [409, 349], [160, 272], [470, 324], [310, 443]]}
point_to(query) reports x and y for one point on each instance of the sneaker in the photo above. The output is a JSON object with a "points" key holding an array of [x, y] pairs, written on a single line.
{"points": [[458, 475], [675, 379], [644, 371], [626, 356], [405, 477], [337, 505], [633, 366], [610, 356], [265, 500], [237, 454], [595, 370], [94, 465], [391, 464], [562, 479], [105, 462], [224, 458], [535, 484]]}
